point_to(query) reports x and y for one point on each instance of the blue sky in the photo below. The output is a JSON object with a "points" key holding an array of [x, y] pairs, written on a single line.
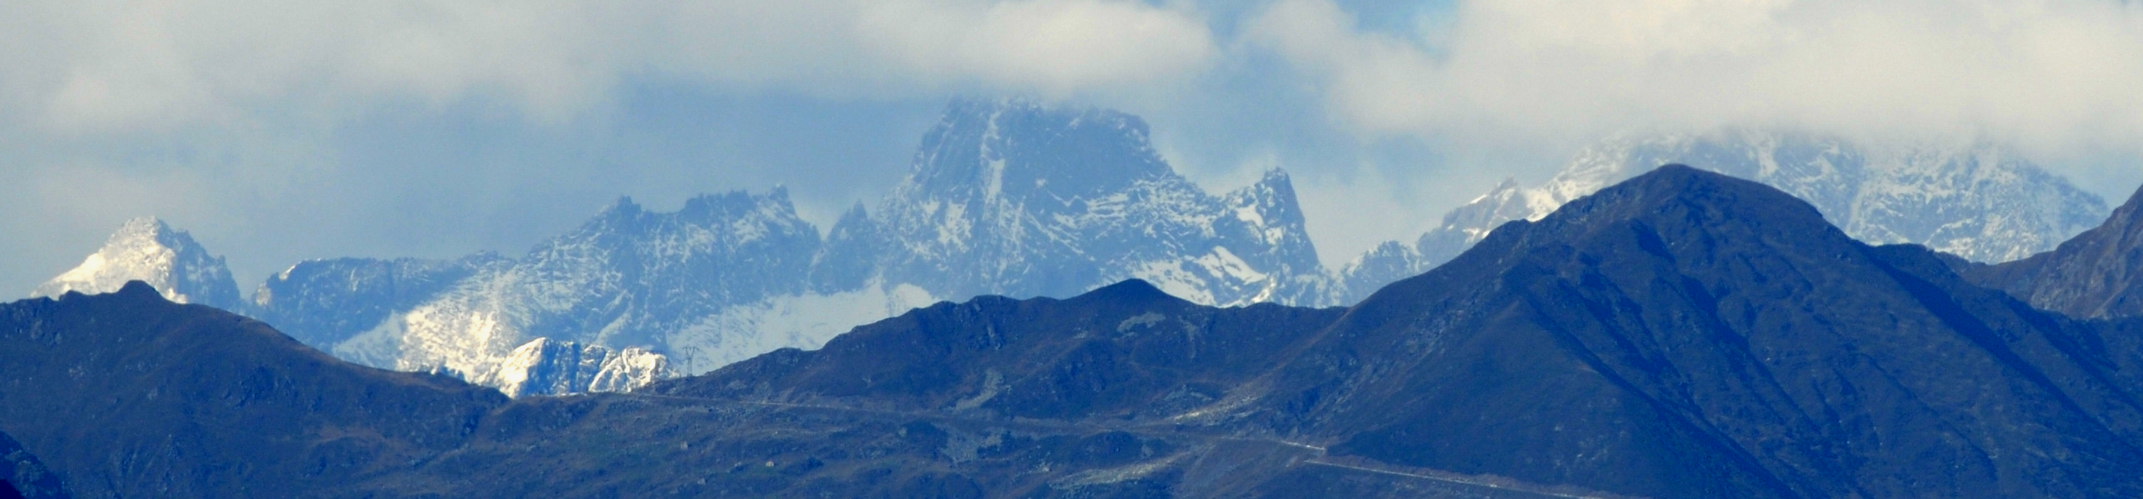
{"points": [[277, 131]]}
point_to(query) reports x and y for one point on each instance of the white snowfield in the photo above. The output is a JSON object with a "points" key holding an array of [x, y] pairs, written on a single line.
{"points": [[1008, 198]]}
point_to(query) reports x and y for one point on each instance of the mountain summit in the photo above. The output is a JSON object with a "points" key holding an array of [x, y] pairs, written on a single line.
{"points": [[1014, 198], [145, 249]]}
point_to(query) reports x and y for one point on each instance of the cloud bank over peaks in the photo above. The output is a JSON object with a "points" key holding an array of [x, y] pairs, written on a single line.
{"points": [[2046, 74], [88, 67]]}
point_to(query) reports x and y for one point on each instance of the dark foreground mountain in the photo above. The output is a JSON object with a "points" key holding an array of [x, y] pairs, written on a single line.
{"points": [[1682, 334], [1688, 334], [127, 394]]}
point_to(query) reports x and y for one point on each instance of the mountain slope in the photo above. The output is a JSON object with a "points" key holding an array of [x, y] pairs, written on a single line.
{"points": [[1688, 334], [2094, 275], [23, 476], [1126, 351], [145, 249], [1979, 202], [127, 394]]}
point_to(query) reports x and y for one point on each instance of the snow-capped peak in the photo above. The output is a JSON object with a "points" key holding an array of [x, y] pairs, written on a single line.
{"points": [[1013, 197], [146, 249]]}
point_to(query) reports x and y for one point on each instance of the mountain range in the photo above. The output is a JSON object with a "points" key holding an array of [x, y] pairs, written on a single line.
{"points": [[1005, 197], [1679, 334], [1976, 201]]}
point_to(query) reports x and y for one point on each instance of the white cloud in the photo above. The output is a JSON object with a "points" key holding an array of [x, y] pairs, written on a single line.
{"points": [[2047, 74], [1057, 48], [89, 67]]}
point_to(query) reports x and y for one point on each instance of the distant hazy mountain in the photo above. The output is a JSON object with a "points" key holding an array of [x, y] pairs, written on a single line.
{"points": [[1978, 202], [145, 249], [1005, 197], [1680, 334]]}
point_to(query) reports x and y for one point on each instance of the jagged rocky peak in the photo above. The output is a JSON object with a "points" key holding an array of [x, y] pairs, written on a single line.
{"points": [[148, 250], [1270, 204], [1018, 198], [1026, 152]]}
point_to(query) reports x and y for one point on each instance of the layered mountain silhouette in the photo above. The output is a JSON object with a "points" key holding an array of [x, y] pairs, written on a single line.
{"points": [[1003, 197], [1681, 334]]}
